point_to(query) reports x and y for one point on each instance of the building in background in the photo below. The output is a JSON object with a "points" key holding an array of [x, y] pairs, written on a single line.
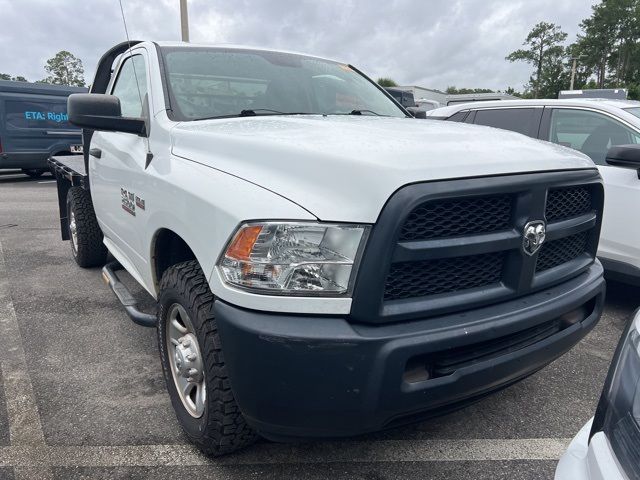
{"points": [[426, 96], [430, 98], [477, 97]]}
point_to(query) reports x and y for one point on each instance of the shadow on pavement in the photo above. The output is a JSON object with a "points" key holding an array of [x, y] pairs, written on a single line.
{"points": [[16, 176]]}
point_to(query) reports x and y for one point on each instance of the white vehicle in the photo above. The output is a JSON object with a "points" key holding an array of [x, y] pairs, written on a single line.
{"points": [[324, 264], [591, 126], [608, 446]]}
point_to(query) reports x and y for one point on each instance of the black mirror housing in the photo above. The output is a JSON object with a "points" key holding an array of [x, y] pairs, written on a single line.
{"points": [[625, 156], [97, 111]]}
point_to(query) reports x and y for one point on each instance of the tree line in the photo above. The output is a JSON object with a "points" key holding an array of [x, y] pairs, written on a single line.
{"points": [[63, 68], [606, 53]]}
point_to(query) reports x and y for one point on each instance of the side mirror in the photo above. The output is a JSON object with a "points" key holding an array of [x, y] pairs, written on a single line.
{"points": [[96, 111], [417, 113], [625, 156]]}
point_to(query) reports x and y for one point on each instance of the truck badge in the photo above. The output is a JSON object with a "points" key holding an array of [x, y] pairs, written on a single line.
{"points": [[534, 235]]}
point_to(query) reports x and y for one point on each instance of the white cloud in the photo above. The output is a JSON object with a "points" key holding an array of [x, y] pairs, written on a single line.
{"points": [[434, 43]]}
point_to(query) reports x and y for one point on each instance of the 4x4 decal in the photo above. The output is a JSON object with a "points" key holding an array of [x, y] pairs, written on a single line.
{"points": [[130, 201]]}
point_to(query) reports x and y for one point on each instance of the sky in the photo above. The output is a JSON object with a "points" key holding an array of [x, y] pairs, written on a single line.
{"points": [[430, 43]]}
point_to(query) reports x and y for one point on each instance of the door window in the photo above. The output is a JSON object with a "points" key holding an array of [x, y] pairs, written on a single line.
{"points": [[589, 132], [521, 120], [458, 117], [131, 86]]}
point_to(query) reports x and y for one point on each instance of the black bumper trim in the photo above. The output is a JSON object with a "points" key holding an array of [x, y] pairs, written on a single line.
{"points": [[321, 376], [621, 271]]}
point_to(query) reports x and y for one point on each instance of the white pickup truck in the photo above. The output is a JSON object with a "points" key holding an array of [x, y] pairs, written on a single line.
{"points": [[324, 264]]}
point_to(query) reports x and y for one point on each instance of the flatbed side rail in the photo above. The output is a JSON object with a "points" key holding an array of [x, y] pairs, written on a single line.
{"points": [[66, 177]]}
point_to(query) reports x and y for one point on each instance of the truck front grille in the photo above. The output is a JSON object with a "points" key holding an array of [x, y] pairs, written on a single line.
{"points": [[563, 250], [563, 203], [452, 218], [445, 275], [449, 246]]}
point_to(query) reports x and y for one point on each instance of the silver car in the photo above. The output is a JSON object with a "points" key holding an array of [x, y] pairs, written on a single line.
{"points": [[608, 446]]}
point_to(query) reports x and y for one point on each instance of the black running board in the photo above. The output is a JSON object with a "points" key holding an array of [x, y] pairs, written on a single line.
{"points": [[126, 299]]}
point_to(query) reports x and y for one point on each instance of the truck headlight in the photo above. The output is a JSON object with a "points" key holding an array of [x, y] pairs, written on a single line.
{"points": [[293, 258], [618, 413]]}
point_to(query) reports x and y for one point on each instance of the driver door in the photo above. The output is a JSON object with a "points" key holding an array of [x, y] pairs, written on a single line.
{"points": [[117, 166]]}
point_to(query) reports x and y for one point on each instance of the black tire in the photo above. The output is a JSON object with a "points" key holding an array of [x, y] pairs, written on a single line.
{"points": [[87, 248], [34, 172], [221, 429]]}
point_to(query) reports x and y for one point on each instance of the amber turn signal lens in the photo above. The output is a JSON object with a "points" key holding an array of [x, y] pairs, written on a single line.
{"points": [[243, 242]]}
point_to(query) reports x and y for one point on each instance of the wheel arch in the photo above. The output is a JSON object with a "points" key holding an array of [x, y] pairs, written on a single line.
{"points": [[167, 249]]}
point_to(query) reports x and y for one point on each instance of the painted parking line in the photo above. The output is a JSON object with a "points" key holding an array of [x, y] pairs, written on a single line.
{"points": [[22, 411], [382, 451]]}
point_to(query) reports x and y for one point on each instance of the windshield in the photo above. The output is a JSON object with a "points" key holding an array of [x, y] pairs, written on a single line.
{"points": [[635, 111], [218, 82]]}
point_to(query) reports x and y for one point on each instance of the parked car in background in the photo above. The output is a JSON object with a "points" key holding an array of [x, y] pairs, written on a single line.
{"points": [[427, 104], [591, 126], [403, 97], [608, 446], [34, 125], [407, 100]]}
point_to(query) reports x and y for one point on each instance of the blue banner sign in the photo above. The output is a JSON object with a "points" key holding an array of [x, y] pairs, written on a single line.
{"points": [[52, 116]]}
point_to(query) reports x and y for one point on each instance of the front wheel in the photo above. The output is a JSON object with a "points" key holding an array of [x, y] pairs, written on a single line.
{"points": [[193, 363]]}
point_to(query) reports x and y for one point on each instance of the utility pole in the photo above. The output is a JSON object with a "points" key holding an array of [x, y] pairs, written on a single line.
{"points": [[573, 69], [184, 20]]}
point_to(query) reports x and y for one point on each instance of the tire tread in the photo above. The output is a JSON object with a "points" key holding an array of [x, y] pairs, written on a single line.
{"points": [[90, 250], [226, 429]]}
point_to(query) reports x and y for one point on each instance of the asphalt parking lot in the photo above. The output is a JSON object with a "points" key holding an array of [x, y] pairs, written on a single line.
{"points": [[83, 394]]}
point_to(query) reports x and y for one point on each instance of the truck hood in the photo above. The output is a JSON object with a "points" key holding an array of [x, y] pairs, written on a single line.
{"points": [[345, 168]]}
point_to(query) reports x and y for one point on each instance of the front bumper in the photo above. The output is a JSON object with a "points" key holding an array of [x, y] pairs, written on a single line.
{"points": [[322, 376], [586, 460]]}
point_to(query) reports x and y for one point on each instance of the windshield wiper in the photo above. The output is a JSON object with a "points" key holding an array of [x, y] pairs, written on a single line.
{"points": [[359, 112], [254, 112], [267, 111]]}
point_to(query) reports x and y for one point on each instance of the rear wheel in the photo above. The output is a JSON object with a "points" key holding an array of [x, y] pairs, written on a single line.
{"points": [[193, 363], [84, 232], [34, 172]]}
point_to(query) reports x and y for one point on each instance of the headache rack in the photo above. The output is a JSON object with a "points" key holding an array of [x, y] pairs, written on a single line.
{"points": [[448, 246]]}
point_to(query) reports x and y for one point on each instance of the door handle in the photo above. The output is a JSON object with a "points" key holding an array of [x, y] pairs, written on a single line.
{"points": [[95, 152]]}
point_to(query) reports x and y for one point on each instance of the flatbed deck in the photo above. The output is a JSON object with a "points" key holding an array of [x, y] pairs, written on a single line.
{"points": [[69, 165]]}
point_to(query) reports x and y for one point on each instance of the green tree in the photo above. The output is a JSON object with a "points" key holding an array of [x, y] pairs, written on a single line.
{"points": [[512, 91], [17, 78], [609, 42], [65, 69], [545, 52], [387, 82]]}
